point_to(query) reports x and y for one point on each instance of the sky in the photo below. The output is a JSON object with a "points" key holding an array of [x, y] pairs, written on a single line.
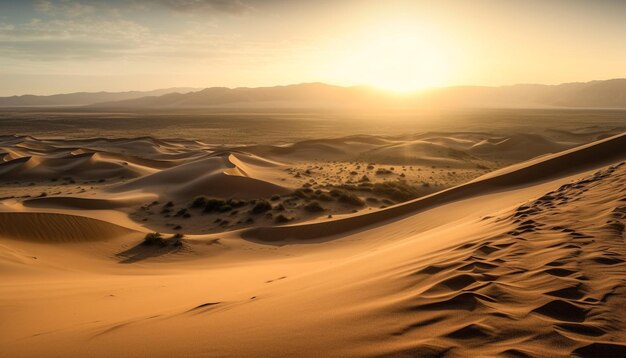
{"points": [[60, 46]]}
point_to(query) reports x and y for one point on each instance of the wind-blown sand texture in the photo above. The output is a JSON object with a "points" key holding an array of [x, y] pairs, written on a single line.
{"points": [[523, 260]]}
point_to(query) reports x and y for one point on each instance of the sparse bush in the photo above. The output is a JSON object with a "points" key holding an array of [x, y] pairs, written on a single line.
{"points": [[177, 239], [225, 208], [153, 238], [302, 193], [234, 203], [261, 206], [275, 197], [324, 197], [397, 190], [199, 202], [313, 207], [216, 205], [281, 219], [382, 171], [346, 197]]}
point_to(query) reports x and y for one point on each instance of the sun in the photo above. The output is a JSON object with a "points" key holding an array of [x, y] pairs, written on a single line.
{"points": [[397, 57]]}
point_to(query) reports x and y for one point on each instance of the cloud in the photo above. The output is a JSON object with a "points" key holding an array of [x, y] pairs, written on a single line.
{"points": [[227, 6], [64, 8], [89, 30], [73, 8]]}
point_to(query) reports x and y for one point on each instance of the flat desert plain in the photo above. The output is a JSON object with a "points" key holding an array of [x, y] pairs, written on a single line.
{"points": [[486, 233]]}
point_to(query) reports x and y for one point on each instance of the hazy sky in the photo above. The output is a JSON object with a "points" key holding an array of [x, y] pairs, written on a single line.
{"points": [[53, 46]]}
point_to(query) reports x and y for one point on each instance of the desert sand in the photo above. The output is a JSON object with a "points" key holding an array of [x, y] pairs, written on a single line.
{"points": [[433, 244]]}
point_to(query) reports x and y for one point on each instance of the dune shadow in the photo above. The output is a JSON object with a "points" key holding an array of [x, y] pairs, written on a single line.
{"points": [[143, 251]]}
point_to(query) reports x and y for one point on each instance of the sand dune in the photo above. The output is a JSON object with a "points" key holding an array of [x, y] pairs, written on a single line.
{"points": [[215, 176], [51, 228], [511, 263]]}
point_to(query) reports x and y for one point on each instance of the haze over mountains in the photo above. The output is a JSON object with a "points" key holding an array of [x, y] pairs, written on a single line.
{"points": [[84, 98], [594, 94]]}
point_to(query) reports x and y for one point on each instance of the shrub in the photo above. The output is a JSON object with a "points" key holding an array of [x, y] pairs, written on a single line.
{"points": [[234, 203], [177, 239], [214, 205], [281, 219], [398, 190], [351, 199], [324, 197], [346, 197], [199, 202], [301, 193], [275, 197], [153, 238], [225, 208], [261, 206], [313, 207]]}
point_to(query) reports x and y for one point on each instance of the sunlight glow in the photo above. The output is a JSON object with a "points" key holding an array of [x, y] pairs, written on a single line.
{"points": [[397, 57]]}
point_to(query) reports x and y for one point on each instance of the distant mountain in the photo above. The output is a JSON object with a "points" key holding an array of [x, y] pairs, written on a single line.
{"points": [[299, 95], [83, 98], [594, 94]]}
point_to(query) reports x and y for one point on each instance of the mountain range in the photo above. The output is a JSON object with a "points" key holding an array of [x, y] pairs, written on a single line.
{"points": [[83, 98], [594, 94]]}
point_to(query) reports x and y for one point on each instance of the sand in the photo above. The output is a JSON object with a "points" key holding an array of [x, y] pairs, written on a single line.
{"points": [[506, 252]]}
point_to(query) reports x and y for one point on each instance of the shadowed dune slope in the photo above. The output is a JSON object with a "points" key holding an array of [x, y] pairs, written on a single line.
{"points": [[52, 227]]}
